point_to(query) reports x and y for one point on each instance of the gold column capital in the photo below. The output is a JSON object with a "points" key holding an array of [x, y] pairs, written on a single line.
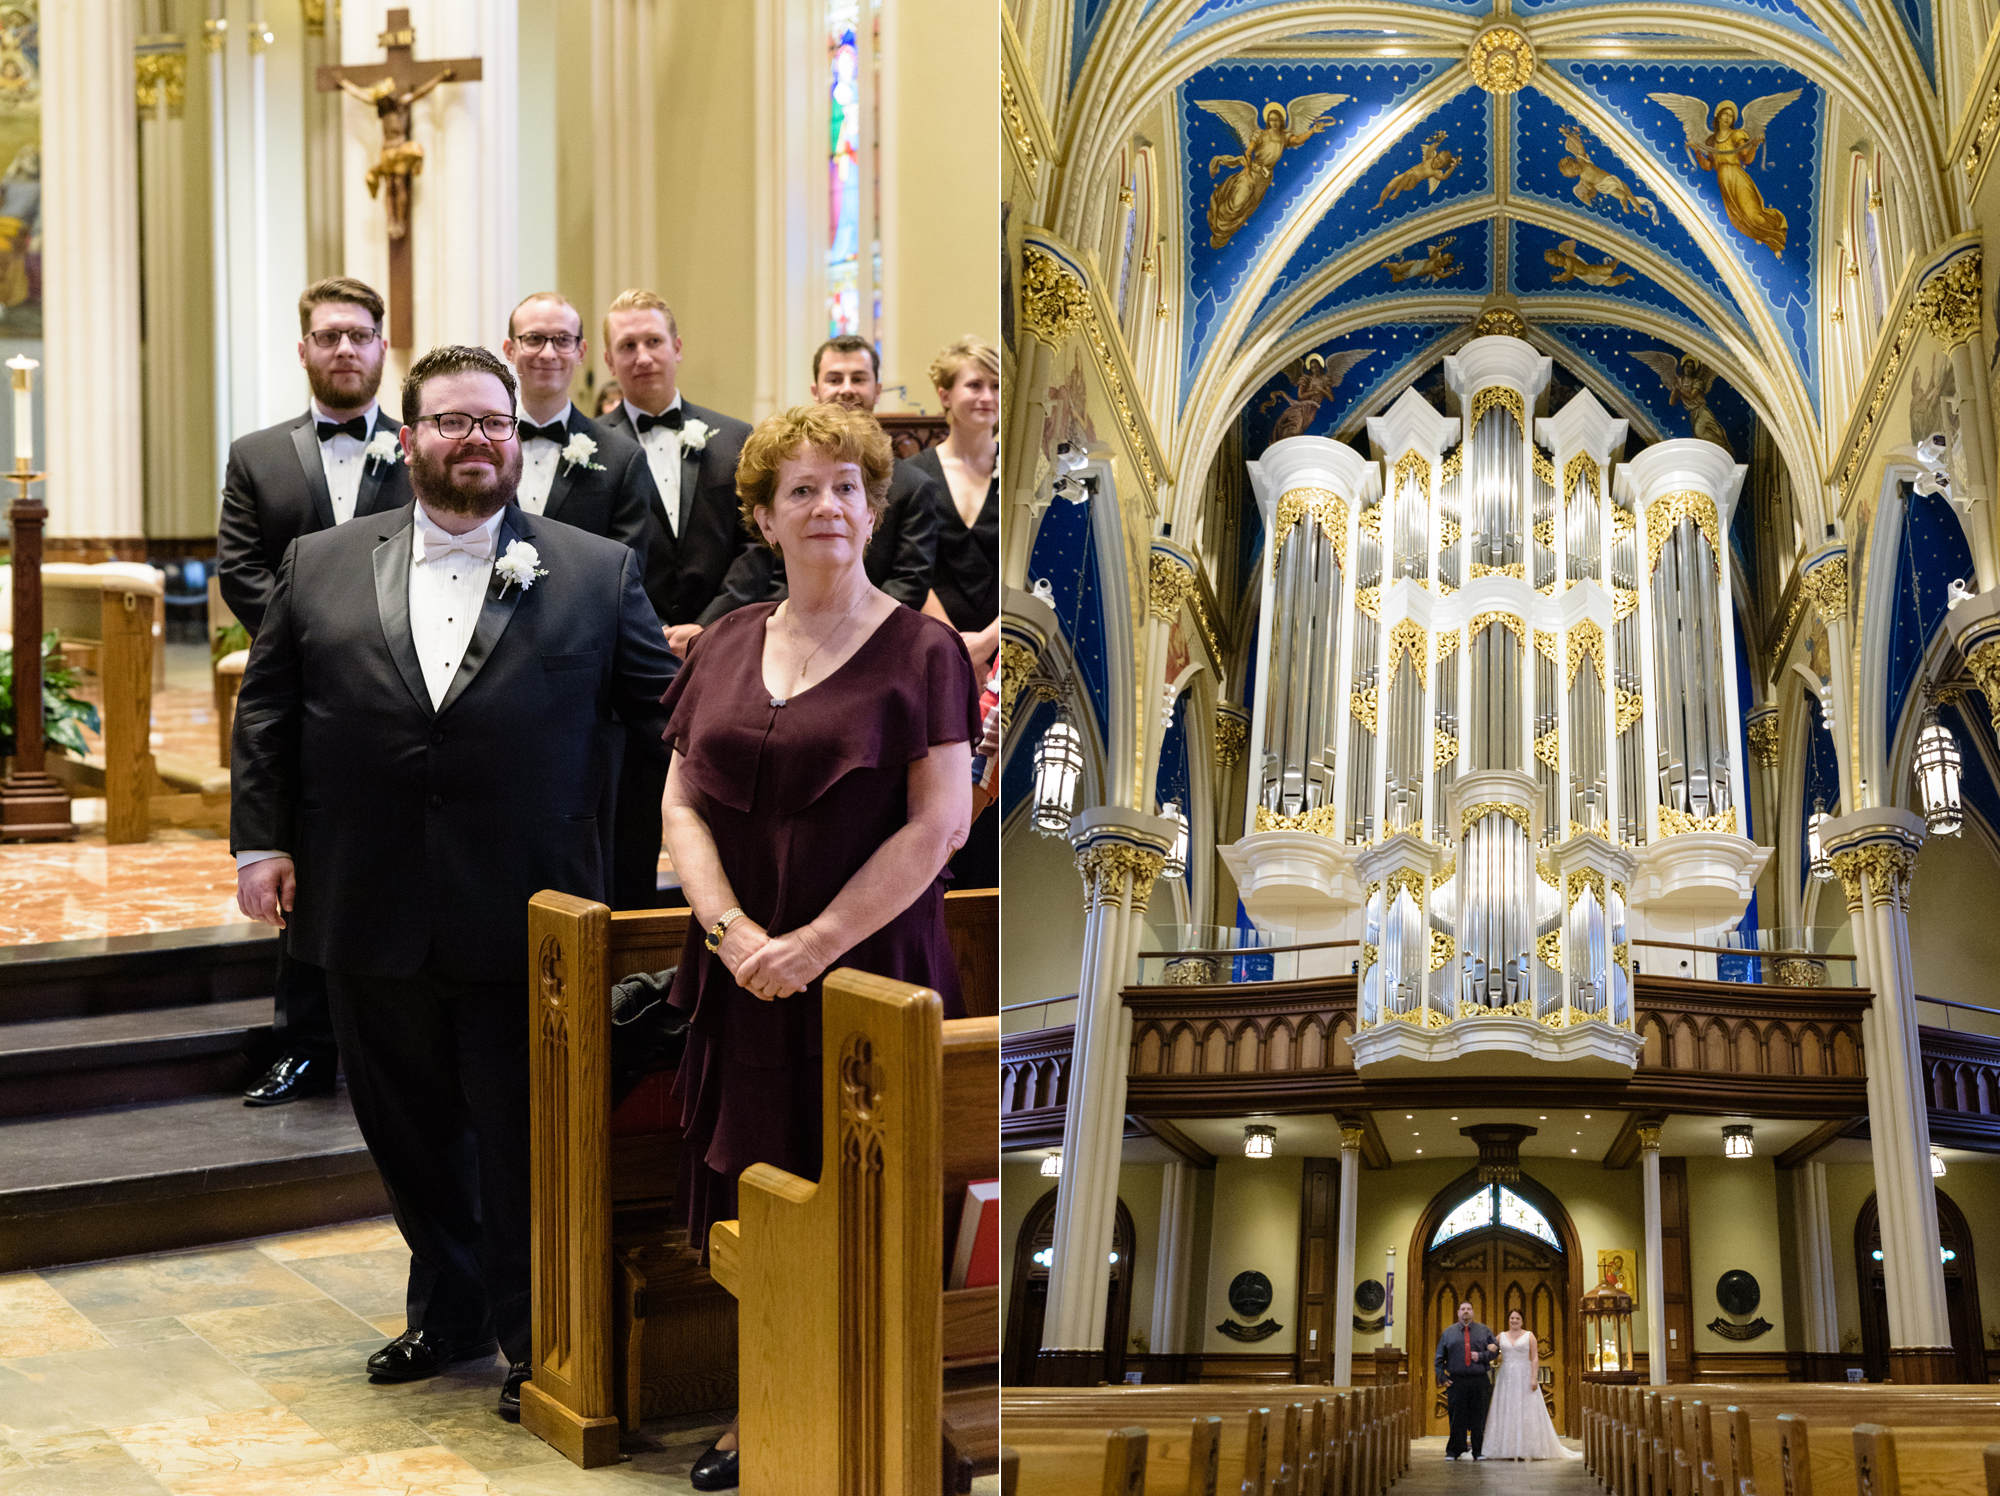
{"points": [[1352, 1136], [1108, 867], [1878, 871], [1649, 1137]]}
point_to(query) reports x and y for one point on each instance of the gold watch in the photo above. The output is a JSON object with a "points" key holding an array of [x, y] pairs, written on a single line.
{"points": [[721, 927]]}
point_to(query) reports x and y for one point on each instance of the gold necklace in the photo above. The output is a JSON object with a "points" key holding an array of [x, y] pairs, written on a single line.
{"points": [[800, 678]]}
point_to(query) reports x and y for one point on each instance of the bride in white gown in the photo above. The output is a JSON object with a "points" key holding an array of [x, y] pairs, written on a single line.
{"points": [[1517, 1420]]}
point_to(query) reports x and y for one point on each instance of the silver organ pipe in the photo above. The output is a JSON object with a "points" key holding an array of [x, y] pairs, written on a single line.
{"points": [[1547, 719], [1498, 472], [1451, 531], [1446, 752], [1688, 663], [1304, 659], [1583, 528], [1544, 532], [1628, 678]]}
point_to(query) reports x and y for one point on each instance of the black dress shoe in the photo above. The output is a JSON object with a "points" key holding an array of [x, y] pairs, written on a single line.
{"points": [[416, 1354], [510, 1390], [715, 1470], [289, 1079]]}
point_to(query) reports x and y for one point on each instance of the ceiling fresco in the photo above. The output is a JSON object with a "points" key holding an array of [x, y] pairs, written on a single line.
{"points": [[1655, 377], [1356, 371], [1449, 262], [1550, 264]]}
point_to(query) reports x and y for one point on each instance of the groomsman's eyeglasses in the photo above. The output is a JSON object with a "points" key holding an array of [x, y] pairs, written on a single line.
{"points": [[562, 342], [456, 425], [329, 337]]}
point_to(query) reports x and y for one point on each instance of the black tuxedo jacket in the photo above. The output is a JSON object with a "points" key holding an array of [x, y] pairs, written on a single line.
{"points": [[612, 497], [273, 491], [421, 834], [711, 566]]}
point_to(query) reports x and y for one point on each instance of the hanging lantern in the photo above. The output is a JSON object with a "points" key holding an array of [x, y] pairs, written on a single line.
{"points": [[1822, 865], [1052, 1166], [1176, 863], [1736, 1141], [1058, 765], [1937, 1165], [1937, 765], [1258, 1141]]}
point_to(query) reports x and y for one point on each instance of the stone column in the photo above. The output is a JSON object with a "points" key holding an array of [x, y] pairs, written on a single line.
{"points": [[1343, 1262], [90, 279], [1874, 852], [1655, 1289], [326, 251], [624, 238], [1814, 1234], [1170, 1272], [1119, 853], [1766, 749]]}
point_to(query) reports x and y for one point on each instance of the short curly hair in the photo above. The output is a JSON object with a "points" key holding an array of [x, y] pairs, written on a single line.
{"points": [[970, 349], [830, 430]]}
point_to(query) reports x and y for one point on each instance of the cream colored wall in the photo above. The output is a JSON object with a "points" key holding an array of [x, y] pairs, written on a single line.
{"points": [[940, 193], [575, 148], [539, 30], [1139, 1187], [1848, 1186], [1255, 1224], [1975, 1190], [1042, 927], [1733, 1223], [1954, 939]]}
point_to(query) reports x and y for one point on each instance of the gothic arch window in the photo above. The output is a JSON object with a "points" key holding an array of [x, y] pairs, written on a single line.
{"points": [[1495, 1204]]}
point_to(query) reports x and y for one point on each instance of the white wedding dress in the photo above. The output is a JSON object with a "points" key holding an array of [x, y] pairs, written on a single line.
{"points": [[1517, 1420]]}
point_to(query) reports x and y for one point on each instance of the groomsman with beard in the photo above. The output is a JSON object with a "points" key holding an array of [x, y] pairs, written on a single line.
{"points": [[426, 737], [337, 462], [703, 563]]}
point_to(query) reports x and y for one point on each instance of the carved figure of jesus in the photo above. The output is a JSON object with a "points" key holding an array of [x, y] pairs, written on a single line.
{"points": [[401, 158]]}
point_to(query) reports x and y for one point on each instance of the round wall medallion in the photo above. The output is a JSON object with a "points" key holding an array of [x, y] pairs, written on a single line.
{"points": [[1368, 1296], [1501, 59], [1737, 1291], [1250, 1294]]}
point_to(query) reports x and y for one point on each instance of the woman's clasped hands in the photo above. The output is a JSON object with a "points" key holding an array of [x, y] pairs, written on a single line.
{"points": [[769, 967]]}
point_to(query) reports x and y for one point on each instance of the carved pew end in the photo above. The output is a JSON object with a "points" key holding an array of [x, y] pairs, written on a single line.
{"points": [[588, 1442]]}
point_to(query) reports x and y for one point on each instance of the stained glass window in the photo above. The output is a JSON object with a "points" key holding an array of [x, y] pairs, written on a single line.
{"points": [[1518, 1213], [1472, 1213], [843, 187]]}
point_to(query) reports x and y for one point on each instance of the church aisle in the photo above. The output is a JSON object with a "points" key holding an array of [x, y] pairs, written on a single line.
{"points": [[1431, 1474]]}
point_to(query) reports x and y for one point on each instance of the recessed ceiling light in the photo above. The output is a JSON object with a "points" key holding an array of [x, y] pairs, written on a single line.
{"points": [[1420, 1150], [1572, 1150], [1409, 1116], [1544, 1117], [1586, 1116], [1454, 1119]]}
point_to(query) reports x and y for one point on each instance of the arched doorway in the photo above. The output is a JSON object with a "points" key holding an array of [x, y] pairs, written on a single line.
{"points": [[1498, 1246], [1028, 1298], [1961, 1291]]}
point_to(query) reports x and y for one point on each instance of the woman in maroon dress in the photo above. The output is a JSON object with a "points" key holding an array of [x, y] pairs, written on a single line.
{"points": [[821, 779]]}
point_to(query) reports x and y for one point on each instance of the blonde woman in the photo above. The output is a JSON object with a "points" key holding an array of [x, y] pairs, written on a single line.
{"points": [[965, 585]]}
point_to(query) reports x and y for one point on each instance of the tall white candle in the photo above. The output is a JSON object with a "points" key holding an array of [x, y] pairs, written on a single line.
{"points": [[1389, 1300], [24, 409]]}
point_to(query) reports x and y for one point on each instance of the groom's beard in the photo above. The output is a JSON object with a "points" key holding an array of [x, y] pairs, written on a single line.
{"points": [[483, 492]]}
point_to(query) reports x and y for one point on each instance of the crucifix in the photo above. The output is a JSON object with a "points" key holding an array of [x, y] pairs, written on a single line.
{"points": [[392, 89]]}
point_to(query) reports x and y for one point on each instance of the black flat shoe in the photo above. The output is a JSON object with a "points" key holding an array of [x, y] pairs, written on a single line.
{"points": [[290, 1079], [715, 1470], [416, 1354], [510, 1390]]}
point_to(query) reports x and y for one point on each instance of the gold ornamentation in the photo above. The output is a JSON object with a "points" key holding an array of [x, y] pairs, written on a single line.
{"points": [[1017, 663], [1883, 869], [1584, 878], [1523, 1009], [1586, 639], [1190, 971], [1371, 521], [1370, 955], [1498, 395], [1518, 814], [1454, 462], [1231, 732], [1445, 589], [1499, 321], [162, 74], [1579, 467], [214, 32], [1169, 582], [1764, 739], [1545, 533], [1679, 822], [1369, 600], [1054, 302], [1664, 513], [1429, 1018], [1447, 643], [1622, 522], [1501, 59], [1975, 148], [1327, 508], [1409, 635], [1624, 602], [1577, 828], [1448, 533], [1546, 749], [1621, 953], [1544, 468], [1444, 748], [1545, 870], [1519, 629], [1404, 880], [1412, 464], [1630, 705], [1545, 643], [1320, 820], [1444, 874], [1362, 702], [1550, 948], [1984, 663], [1515, 569], [1825, 588], [1108, 867], [1948, 302], [314, 13], [1801, 971]]}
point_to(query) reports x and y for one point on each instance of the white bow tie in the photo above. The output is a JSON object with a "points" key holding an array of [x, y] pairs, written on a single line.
{"points": [[476, 545]]}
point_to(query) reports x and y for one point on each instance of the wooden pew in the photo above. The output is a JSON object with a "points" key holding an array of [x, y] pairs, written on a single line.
{"points": [[847, 1331], [628, 1325]]}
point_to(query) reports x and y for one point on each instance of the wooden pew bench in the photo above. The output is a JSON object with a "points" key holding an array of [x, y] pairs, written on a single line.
{"points": [[628, 1325]]}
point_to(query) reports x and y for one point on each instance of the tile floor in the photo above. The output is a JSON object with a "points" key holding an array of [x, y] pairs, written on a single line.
{"points": [[236, 1371]]}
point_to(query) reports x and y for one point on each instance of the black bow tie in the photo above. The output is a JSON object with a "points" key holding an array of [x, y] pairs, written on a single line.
{"points": [[669, 418], [356, 428], [555, 431]]}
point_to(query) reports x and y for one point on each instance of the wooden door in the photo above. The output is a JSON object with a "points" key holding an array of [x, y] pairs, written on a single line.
{"points": [[1496, 1270], [1029, 1299]]}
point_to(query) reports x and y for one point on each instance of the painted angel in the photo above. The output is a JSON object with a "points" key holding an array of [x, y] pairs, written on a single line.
{"points": [[1282, 126], [1315, 377], [1688, 380], [1437, 162], [1727, 150], [1592, 179], [1571, 265], [1436, 264]]}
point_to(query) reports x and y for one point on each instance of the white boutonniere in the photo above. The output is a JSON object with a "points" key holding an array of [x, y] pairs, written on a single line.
{"points": [[384, 448], [579, 452], [519, 566], [695, 435]]}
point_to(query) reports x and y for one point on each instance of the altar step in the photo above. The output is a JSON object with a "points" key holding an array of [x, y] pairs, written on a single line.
{"points": [[122, 1124]]}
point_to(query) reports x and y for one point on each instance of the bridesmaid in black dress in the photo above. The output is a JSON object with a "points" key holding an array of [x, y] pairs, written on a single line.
{"points": [[821, 778]]}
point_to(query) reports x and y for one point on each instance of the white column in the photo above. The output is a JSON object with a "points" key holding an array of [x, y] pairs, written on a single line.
{"points": [[624, 208], [1342, 1309], [215, 36], [1656, 1283], [790, 194], [1171, 1266], [326, 251], [1814, 1232], [90, 276]]}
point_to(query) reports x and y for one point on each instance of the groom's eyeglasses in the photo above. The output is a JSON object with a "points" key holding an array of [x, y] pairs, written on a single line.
{"points": [[456, 426]]}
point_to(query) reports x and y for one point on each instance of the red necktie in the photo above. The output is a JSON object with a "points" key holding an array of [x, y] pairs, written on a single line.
{"points": [[1468, 1347]]}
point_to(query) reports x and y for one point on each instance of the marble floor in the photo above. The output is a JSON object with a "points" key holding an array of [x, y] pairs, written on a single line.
{"points": [[237, 1371]]}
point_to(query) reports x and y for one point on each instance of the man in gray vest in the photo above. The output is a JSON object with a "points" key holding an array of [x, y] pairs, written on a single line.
{"points": [[1464, 1362]]}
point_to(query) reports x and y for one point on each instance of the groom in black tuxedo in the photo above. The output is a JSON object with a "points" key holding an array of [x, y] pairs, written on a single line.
{"points": [[1465, 1370], [427, 735], [336, 462]]}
